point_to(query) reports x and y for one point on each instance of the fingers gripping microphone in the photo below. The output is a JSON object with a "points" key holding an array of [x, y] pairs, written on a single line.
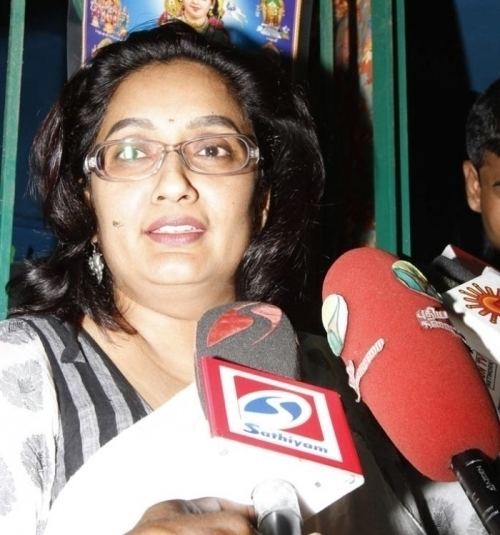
{"points": [[413, 371]]}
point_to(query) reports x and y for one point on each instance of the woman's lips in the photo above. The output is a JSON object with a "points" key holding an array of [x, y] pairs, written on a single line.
{"points": [[178, 231]]}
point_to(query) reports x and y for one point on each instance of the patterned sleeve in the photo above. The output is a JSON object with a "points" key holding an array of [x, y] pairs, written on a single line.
{"points": [[29, 426]]}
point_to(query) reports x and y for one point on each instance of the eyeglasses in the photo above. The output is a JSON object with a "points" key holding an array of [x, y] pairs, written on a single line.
{"points": [[136, 159]]}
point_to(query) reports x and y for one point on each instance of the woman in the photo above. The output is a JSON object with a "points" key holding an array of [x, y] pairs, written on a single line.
{"points": [[175, 178]]}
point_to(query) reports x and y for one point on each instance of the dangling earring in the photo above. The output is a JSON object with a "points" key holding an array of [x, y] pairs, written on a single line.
{"points": [[210, 13], [96, 263]]}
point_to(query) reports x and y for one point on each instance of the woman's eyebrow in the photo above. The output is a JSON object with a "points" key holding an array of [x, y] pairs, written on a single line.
{"points": [[130, 121], [212, 120], [198, 122]]}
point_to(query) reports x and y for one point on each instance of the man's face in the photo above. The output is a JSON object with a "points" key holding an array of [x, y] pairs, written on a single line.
{"points": [[483, 194]]}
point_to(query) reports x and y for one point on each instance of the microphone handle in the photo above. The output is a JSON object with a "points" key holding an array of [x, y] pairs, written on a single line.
{"points": [[277, 508], [282, 522], [476, 474]]}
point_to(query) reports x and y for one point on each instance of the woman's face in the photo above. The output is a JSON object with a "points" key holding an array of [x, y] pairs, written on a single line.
{"points": [[196, 9], [175, 229]]}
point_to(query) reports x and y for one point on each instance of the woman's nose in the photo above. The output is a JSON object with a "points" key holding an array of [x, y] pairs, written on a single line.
{"points": [[172, 182]]}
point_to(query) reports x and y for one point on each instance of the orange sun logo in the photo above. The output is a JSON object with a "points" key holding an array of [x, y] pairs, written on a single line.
{"points": [[483, 298]]}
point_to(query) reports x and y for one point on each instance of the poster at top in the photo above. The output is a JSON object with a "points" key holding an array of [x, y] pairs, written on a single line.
{"points": [[251, 24]]}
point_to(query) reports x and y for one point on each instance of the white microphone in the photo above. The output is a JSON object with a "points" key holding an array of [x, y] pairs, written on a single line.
{"points": [[264, 405]]}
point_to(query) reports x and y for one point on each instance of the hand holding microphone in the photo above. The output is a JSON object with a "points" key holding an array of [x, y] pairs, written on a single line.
{"points": [[178, 516], [413, 371], [196, 516]]}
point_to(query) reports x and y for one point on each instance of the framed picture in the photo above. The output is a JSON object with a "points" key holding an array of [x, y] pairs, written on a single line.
{"points": [[281, 26]]}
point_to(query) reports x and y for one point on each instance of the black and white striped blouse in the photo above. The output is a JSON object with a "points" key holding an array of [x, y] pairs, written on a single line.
{"points": [[61, 399]]}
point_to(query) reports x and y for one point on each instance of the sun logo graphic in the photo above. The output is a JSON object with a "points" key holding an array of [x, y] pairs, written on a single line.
{"points": [[484, 299]]}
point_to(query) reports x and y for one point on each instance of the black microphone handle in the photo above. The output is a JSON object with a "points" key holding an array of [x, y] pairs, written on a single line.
{"points": [[476, 474]]}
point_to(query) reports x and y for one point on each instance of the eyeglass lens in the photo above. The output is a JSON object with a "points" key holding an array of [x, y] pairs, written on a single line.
{"points": [[129, 159]]}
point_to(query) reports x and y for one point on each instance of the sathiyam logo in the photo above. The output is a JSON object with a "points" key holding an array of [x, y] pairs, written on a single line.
{"points": [[285, 414], [274, 409], [279, 416]]}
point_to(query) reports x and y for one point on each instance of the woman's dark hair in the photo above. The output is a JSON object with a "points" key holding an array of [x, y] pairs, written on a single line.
{"points": [[482, 130], [275, 264]]}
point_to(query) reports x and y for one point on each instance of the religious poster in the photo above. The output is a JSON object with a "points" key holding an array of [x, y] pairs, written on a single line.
{"points": [[276, 25]]}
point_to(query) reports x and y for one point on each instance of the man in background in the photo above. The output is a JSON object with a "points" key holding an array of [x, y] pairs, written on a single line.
{"points": [[482, 169]]}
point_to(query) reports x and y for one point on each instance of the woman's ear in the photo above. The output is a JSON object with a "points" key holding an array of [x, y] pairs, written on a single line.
{"points": [[87, 195], [472, 185], [264, 211]]}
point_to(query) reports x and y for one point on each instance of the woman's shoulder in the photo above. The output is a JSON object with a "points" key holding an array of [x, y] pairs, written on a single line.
{"points": [[27, 338], [24, 363], [18, 331], [22, 352]]}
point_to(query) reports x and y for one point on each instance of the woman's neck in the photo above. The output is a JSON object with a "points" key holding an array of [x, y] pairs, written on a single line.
{"points": [[158, 360]]}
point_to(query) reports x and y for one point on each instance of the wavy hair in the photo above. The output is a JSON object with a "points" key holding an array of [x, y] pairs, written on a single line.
{"points": [[275, 264]]}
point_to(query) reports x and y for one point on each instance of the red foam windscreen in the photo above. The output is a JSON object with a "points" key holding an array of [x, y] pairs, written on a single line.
{"points": [[420, 382]]}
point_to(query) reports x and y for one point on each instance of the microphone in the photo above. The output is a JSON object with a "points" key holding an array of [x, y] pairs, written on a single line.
{"points": [[272, 408], [260, 336], [473, 309], [455, 266], [254, 334], [411, 368]]}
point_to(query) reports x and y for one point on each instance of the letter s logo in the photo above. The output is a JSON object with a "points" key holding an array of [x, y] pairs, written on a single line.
{"points": [[274, 409]]}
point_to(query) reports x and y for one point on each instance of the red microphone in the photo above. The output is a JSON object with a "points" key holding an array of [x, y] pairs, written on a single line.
{"points": [[412, 369]]}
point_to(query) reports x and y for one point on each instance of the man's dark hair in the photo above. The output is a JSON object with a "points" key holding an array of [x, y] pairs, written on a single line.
{"points": [[273, 268], [482, 130]]}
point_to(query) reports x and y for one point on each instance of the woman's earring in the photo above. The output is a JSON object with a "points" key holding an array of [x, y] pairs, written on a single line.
{"points": [[96, 263]]}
